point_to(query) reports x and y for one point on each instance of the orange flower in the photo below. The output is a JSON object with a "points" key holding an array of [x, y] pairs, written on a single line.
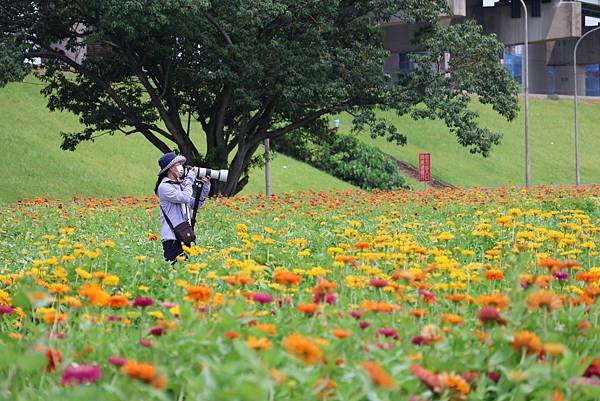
{"points": [[544, 298], [494, 275], [232, 335], [58, 289], [51, 318], [500, 301], [267, 328], [454, 383], [528, 341], [303, 348], [452, 319], [324, 287], [378, 375], [201, 293], [341, 334], [554, 349], [378, 306], [418, 312], [308, 309], [117, 301], [94, 294], [144, 372], [258, 344], [285, 277], [326, 388], [152, 237]]}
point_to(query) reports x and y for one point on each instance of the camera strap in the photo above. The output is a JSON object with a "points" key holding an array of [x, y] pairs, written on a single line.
{"points": [[199, 186]]}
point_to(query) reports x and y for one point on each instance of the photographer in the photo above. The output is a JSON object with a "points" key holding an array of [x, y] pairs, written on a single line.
{"points": [[175, 193]]}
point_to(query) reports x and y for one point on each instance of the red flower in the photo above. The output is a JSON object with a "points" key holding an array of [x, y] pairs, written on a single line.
{"points": [[489, 314], [143, 302]]}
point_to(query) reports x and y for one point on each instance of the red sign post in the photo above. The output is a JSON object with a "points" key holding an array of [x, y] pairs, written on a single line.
{"points": [[424, 167]]}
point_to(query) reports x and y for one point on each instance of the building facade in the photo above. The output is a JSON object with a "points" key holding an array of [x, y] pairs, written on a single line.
{"points": [[554, 28]]}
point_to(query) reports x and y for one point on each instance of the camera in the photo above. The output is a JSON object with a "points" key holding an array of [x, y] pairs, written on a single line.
{"points": [[219, 175]]}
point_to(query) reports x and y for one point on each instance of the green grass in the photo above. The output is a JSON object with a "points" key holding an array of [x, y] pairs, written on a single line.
{"points": [[34, 165], [551, 142]]}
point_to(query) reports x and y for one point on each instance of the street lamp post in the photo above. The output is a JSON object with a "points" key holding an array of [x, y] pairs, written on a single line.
{"points": [[526, 88], [577, 171], [268, 189]]}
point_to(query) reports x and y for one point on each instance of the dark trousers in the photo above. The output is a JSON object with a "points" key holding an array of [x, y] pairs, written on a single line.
{"points": [[172, 249]]}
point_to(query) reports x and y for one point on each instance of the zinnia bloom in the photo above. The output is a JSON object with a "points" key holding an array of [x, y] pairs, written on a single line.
{"points": [[378, 283], [77, 374], [308, 309], [258, 343], [454, 384], [144, 372], [117, 361], [303, 348], [262, 298], [6, 310], [143, 302], [526, 340], [544, 298], [489, 314], [378, 375], [200, 293]]}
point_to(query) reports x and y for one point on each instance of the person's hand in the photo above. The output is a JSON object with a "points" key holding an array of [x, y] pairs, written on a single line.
{"points": [[194, 171], [205, 180]]}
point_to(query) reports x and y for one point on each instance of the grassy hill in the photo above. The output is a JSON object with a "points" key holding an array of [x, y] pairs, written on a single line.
{"points": [[34, 165], [551, 142]]}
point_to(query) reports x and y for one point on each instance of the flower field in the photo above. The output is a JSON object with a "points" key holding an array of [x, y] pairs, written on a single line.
{"points": [[451, 295]]}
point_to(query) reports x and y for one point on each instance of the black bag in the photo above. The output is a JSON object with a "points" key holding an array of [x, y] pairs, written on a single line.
{"points": [[184, 232]]}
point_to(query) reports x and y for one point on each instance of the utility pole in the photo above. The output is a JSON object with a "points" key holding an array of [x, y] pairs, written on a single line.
{"points": [[267, 145], [526, 88], [577, 166]]}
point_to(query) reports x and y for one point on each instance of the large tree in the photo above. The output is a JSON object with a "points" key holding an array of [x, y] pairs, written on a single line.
{"points": [[248, 70]]}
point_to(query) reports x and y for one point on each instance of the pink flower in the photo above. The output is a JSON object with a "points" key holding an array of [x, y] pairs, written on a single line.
{"points": [[117, 360], [262, 298], [363, 325], [388, 333], [284, 301], [144, 342], [6, 310], [77, 374], [168, 304], [561, 276], [142, 302], [356, 314], [378, 283], [330, 299], [385, 346]]}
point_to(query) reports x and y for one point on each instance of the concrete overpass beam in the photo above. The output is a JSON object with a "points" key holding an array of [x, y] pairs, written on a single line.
{"points": [[558, 20]]}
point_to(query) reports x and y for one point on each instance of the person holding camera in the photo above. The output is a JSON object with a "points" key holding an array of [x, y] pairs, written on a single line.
{"points": [[174, 189]]}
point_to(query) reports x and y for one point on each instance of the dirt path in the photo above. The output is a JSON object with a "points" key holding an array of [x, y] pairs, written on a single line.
{"points": [[413, 172]]}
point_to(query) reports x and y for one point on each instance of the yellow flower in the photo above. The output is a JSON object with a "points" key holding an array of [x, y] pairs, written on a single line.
{"points": [[445, 236], [108, 244], [111, 280], [5, 298]]}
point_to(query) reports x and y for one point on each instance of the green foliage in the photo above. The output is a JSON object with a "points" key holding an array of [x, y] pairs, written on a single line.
{"points": [[247, 70], [345, 157]]}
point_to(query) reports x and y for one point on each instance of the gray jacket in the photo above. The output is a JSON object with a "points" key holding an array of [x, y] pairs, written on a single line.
{"points": [[177, 202]]}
